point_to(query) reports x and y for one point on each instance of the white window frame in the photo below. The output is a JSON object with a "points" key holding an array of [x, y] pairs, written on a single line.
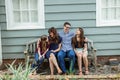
{"points": [[99, 21], [13, 26]]}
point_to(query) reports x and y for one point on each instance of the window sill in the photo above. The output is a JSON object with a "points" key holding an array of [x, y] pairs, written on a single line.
{"points": [[25, 27], [108, 23]]}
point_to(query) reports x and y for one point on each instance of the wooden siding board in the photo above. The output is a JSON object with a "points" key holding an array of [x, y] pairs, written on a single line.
{"points": [[102, 30], [3, 25], [70, 16], [2, 2], [96, 31], [23, 34], [98, 46], [70, 8], [13, 55], [16, 41], [59, 24], [13, 49], [110, 45], [2, 9], [108, 52], [97, 39], [49, 2], [105, 38], [2, 18]]}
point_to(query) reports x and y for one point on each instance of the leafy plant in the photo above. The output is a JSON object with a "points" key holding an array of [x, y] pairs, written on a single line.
{"points": [[20, 72], [71, 71], [5, 77]]}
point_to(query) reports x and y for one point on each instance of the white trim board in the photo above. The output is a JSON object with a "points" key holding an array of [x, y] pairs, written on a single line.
{"points": [[0, 48]]}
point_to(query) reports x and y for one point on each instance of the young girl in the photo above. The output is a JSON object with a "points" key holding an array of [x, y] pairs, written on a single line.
{"points": [[42, 48], [79, 43], [54, 46]]}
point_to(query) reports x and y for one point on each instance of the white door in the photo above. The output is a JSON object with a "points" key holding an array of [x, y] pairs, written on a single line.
{"points": [[0, 48]]}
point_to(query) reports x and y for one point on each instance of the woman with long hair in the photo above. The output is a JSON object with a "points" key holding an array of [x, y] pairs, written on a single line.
{"points": [[79, 43], [42, 48], [54, 46]]}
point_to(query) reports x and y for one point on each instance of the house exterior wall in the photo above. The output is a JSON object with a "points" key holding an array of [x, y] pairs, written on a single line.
{"points": [[80, 13]]}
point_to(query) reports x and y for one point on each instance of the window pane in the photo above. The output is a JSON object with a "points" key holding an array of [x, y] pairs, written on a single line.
{"points": [[104, 13], [24, 4], [111, 13], [33, 4], [34, 16], [16, 16], [104, 3], [16, 4], [111, 3], [118, 3], [27, 11], [118, 13], [25, 16]]}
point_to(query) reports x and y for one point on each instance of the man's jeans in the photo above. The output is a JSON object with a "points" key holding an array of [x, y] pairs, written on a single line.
{"points": [[71, 55]]}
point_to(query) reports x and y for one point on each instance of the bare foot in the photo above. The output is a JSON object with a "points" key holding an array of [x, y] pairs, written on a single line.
{"points": [[86, 72], [59, 72], [80, 73], [51, 74]]}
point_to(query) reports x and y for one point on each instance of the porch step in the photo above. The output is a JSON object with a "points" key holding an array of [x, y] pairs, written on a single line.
{"points": [[75, 77]]}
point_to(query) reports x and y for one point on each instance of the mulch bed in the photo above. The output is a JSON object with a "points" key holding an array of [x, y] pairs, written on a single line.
{"points": [[104, 72]]}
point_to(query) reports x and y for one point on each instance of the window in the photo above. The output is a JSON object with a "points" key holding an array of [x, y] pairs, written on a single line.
{"points": [[108, 12], [25, 14]]}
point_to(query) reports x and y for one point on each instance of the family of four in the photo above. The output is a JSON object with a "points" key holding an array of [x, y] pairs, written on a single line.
{"points": [[57, 46]]}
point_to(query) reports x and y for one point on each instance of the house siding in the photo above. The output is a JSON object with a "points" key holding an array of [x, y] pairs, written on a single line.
{"points": [[80, 13]]}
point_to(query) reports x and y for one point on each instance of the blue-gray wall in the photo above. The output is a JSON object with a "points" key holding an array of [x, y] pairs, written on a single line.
{"points": [[80, 13]]}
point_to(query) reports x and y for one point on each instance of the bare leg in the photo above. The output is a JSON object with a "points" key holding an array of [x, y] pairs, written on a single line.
{"points": [[54, 61], [79, 59], [51, 66], [85, 60]]}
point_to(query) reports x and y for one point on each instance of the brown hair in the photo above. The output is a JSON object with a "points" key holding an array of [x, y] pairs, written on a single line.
{"points": [[81, 36], [67, 23], [55, 38], [44, 43]]}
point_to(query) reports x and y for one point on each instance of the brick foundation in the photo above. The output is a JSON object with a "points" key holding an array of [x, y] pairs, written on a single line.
{"points": [[9, 61], [105, 59]]}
